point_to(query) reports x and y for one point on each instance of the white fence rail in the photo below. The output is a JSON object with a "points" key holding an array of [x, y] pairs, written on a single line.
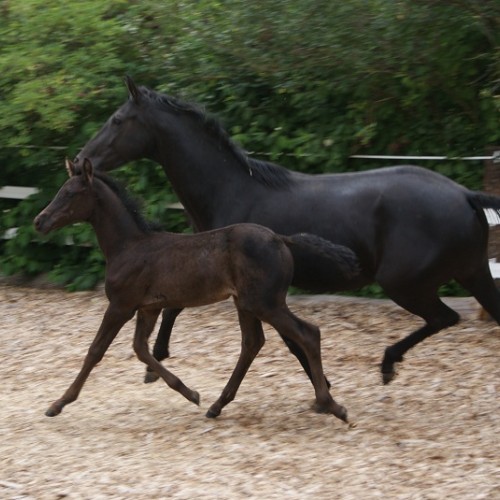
{"points": [[22, 192], [17, 192]]}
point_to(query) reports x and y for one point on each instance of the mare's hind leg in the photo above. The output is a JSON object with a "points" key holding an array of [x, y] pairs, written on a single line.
{"points": [[145, 323], [307, 337], [252, 340], [161, 347], [437, 316], [483, 288]]}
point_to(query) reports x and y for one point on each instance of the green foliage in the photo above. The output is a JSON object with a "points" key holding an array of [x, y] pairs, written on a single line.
{"points": [[300, 82]]}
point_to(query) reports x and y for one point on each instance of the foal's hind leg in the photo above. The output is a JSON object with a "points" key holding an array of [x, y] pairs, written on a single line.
{"points": [[161, 347], [252, 340], [437, 316], [145, 323], [307, 337], [301, 357]]}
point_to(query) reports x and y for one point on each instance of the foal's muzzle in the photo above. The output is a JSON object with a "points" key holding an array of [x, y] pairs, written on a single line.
{"points": [[40, 223]]}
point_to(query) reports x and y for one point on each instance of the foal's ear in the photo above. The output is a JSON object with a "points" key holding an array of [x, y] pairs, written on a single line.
{"points": [[70, 167], [88, 170], [133, 90]]}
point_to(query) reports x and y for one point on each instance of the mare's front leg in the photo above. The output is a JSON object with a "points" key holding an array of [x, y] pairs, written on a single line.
{"points": [[161, 347], [146, 320], [114, 318], [252, 341]]}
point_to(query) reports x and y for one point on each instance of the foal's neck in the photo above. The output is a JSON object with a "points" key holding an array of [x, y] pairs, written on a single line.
{"points": [[113, 224]]}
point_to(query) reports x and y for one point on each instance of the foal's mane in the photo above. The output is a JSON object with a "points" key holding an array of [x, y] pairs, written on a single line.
{"points": [[265, 172], [132, 205]]}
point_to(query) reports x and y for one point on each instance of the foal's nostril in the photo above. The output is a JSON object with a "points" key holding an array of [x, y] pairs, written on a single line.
{"points": [[38, 222]]}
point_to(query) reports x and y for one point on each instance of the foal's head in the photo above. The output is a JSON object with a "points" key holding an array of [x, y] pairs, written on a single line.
{"points": [[74, 202]]}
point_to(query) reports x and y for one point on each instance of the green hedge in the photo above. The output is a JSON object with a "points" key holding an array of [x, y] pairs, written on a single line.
{"points": [[303, 83]]}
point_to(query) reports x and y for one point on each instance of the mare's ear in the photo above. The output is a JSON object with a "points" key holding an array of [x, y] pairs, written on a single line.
{"points": [[133, 90], [70, 167], [88, 170]]}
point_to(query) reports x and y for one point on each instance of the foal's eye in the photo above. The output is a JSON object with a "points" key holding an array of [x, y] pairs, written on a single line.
{"points": [[116, 121]]}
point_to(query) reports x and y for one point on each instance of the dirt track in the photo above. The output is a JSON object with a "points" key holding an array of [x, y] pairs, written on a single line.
{"points": [[432, 433]]}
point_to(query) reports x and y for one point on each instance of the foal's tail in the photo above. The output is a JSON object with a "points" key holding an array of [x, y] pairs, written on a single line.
{"points": [[485, 201], [343, 259]]}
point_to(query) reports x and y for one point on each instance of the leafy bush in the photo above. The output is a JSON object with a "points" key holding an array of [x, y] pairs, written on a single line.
{"points": [[303, 83]]}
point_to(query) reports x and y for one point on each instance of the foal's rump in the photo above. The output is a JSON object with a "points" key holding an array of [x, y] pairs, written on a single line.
{"points": [[258, 255]]}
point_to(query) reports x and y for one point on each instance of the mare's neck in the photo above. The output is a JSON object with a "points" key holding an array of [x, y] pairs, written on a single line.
{"points": [[210, 180], [113, 224]]}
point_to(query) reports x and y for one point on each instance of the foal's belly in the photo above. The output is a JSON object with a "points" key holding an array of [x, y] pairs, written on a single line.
{"points": [[180, 300], [188, 292]]}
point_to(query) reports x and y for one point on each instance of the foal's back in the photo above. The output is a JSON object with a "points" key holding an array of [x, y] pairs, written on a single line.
{"points": [[187, 270]]}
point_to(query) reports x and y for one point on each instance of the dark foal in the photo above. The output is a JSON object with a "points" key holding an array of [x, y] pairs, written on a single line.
{"points": [[147, 271]]}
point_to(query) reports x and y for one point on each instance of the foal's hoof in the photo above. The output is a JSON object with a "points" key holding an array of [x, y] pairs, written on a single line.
{"points": [[150, 377], [341, 413], [54, 409], [213, 412], [338, 410], [195, 398]]}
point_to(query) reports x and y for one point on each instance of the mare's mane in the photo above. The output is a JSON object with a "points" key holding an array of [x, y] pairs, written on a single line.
{"points": [[265, 172], [132, 205]]}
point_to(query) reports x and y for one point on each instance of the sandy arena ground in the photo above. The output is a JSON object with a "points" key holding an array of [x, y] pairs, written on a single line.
{"points": [[431, 434]]}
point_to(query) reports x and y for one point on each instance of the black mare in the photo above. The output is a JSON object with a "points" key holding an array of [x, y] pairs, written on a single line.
{"points": [[412, 229]]}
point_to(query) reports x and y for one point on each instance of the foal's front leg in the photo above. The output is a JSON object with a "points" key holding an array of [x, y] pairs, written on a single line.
{"points": [[114, 318], [145, 323]]}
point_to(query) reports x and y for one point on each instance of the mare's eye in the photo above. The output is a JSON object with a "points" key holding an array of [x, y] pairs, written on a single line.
{"points": [[116, 121]]}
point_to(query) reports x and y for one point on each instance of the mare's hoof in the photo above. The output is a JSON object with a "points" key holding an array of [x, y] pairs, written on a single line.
{"points": [[388, 376], [387, 366], [150, 377]]}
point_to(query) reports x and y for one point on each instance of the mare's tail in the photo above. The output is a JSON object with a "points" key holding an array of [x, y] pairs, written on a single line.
{"points": [[485, 201], [312, 248]]}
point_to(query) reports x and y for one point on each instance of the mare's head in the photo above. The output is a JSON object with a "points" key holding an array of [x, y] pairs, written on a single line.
{"points": [[74, 202], [124, 137], [171, 132]]}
